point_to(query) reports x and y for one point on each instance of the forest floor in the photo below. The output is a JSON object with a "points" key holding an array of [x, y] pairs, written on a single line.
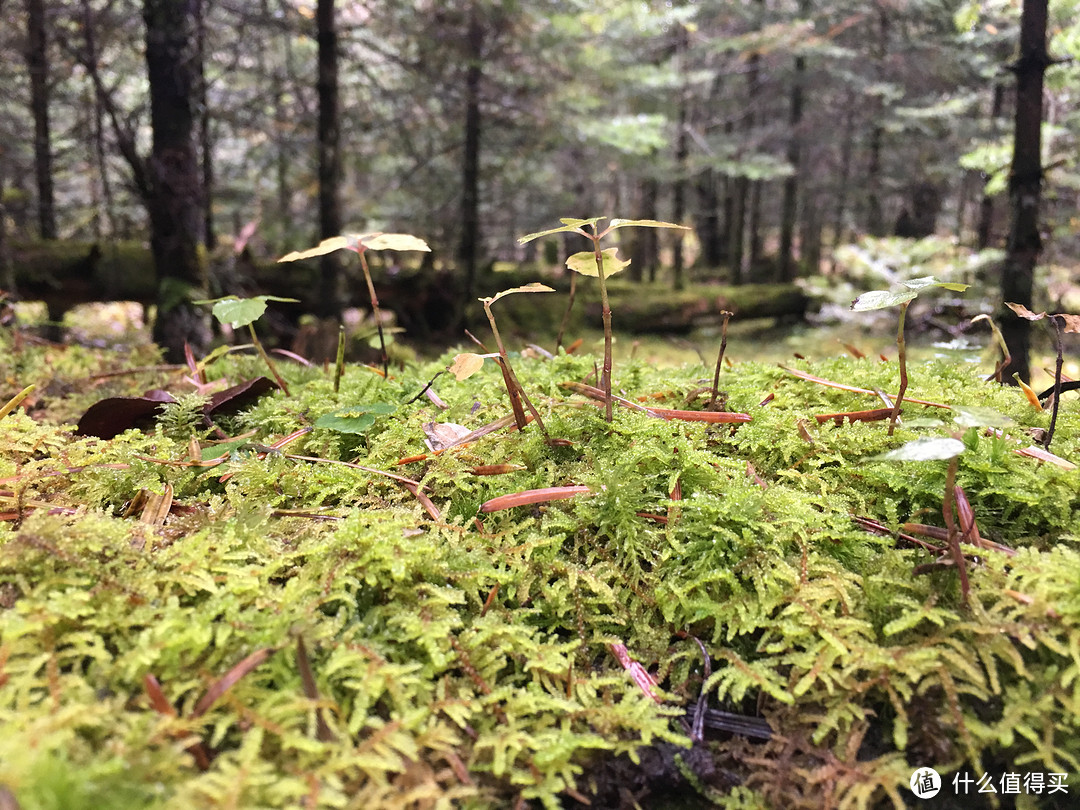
{"points": [[384, 594]]}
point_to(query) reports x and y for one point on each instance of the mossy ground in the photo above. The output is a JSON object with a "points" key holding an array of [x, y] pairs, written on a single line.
{"points": [[465, 660]]}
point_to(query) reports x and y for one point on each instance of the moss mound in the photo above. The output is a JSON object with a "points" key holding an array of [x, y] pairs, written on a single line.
{"points": [[189, 624]]}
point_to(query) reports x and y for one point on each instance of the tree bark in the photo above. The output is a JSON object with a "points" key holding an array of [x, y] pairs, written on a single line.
{"points": [[1025, 186], [206, 147], [985, 229], [789, 205], [678, 208], [875, 216], [37, 64], [469, 245], [174, 200], [330, 219]]}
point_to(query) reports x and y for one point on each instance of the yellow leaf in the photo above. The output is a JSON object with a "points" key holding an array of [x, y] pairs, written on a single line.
{"points": [[585, 263], [465, 365]]}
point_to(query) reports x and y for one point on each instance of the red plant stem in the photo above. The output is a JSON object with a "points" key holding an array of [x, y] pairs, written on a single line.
{"points": [[719, 359], [1057, 382], [531, 496], [950, 526], [902, 350]]}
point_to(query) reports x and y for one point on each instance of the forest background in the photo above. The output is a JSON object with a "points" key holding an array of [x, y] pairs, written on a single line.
{"points": [[778, 130]]}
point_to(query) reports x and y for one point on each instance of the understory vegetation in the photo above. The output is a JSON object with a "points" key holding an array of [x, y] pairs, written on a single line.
{"points": [[297, 602]]}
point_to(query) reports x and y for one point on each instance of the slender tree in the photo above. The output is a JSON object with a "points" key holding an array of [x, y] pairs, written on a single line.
{"points": [[173, 191], [37, 63], [789, 202], [330, 218], [469, 244], [1025, 185]]}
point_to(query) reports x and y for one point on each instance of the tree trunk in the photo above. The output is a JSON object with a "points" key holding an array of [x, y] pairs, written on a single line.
{"points": [[875, 216], [708, 221], [174, 200], [789, 205], [330, 219], [1025, 186], [678, 208], [737, 227], [37, 64], [206, 148], [847, 147], [101, 188], [985, 229], [469, 246], [645, 255]]}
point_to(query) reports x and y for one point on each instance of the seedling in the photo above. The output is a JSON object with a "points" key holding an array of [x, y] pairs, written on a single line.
{"points": [[955, 503], [600, 263], [903, 294], [1062, 323], [360, 243], [239, 312], [465, 365]]}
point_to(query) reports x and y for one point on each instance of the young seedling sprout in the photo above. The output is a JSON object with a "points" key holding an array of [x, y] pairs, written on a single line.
{"points": [[467, 364], [600, 263], [903, 294], [239, 312], [1062, 323], [360, 243]]}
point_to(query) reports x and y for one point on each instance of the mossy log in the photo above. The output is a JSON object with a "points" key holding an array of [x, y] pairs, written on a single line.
{"points": [[65, 274]]}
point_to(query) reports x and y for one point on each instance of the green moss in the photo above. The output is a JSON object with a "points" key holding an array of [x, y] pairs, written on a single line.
{"points": [[465, 660]]}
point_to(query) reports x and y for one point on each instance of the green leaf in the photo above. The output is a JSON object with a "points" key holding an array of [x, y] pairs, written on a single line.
{"points": [[882, 299], [568, 225], [925, 449], [237, 312], [975, 416], [532, 287], [905, 291], [585, 263], [354, 419]]}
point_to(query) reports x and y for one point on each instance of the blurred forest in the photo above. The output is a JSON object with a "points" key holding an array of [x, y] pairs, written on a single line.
{"points": [[778, 129]]}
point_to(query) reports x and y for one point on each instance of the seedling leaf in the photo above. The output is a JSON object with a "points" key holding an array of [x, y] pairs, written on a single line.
{"points": [[321, 249], [974, 416], [465, 365], [882, 299], [585, 263], [239, 312], [568, 225], [394, 241], [1071, 323], [934, 448], [923, 282], [532, 287], [354, 419], [644, 223]]}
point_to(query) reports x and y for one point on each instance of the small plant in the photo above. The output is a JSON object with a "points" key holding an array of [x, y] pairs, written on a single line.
{"points": [[237, 312], [360, 243], [1062, 323], [600, 263], [467, 364], [902, 294]]}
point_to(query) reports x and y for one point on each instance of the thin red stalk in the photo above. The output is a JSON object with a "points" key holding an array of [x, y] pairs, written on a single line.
{"points": [[902, 349]]}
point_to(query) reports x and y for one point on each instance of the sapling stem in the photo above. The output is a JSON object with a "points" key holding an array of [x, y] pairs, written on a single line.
{"points": [[1056, 321], [719, 359], [375, 312], [566, 315], [901, 347], [509, 380], [950, 525], [266, 359], [605, 313], [339, 367]]}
